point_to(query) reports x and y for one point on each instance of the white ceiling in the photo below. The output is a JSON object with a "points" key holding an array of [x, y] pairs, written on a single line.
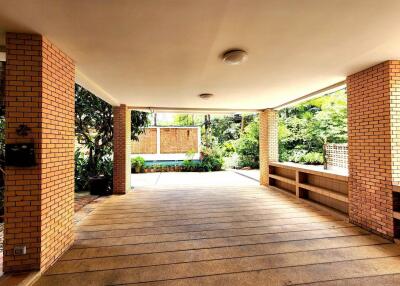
{"points": [[163, 53]]}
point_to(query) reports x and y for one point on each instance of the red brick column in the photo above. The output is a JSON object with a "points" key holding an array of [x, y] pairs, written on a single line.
{"points": [[39, 200], [122, 149], [373, 127], [268, 140]]}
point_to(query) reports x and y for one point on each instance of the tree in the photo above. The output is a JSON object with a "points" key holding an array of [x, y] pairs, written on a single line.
{"points": [[248, 145], [93, 127], [139, 122], [94, 132], [183, 119], [225, 129]]}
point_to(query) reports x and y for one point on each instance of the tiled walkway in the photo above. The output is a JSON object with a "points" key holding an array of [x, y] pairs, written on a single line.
{"points": [[246, 235]]}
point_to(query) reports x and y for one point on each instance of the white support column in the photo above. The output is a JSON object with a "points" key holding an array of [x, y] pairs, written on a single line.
{"points": [[268, 141], [158, 140]]}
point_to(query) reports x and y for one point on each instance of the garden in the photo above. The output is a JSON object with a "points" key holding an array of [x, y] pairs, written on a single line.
{"points": [[305, 128], [228, 141]]}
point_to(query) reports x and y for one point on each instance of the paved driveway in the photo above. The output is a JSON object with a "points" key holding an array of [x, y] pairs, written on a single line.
{"points": [[185, 234], [221, 178]]}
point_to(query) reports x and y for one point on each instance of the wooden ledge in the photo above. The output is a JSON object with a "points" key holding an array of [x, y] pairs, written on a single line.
{"points": [[325, 192], [282, 179]]}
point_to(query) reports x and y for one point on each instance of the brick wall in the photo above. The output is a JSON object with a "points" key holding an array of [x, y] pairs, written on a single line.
{"points": [[122, 149], [373, 127], [268, 142], [39, 200]]}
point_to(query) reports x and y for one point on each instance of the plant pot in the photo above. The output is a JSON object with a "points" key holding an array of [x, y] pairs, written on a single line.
{"points": [[99, 186], [138, 169]]}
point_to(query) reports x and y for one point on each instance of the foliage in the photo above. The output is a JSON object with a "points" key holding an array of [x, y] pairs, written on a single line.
{"points": [[312, 158], [190, 165], [248, 146], [93, 127], [304, 128], [225, 129], [94, 133], [228, 148], [184, 119], [211, 160], [139, 122], [137, 164], [81, 172]]}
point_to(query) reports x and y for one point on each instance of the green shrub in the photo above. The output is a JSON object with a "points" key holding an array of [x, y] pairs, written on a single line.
{"points": [[211, 160], [296, 155], [248, 146], [103, 167], [228, 148], [81, 171], [312, 158], [137, 164], [188, 164]]}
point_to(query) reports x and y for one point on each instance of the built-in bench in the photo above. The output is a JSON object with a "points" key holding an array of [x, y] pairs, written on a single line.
{"points": [[326, 187]]}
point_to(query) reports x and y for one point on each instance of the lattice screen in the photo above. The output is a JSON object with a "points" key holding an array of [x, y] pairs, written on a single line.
{"points": [[337, 155]]}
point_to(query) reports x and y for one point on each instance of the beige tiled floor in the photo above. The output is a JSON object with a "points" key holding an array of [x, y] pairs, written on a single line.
{"points": [[221, 235]]}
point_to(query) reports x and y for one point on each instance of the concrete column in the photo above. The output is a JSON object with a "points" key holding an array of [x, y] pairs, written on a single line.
{"points": [[122, 149], [39, 200], [374, 146], [268, 142]]}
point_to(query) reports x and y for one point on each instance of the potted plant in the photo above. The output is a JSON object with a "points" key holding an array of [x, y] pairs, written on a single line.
{"points": [[101, 183], [138, 164]]}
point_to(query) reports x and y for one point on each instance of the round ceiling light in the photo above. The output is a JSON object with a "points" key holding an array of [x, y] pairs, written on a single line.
{"points": [[205, 95], [234, 57]]}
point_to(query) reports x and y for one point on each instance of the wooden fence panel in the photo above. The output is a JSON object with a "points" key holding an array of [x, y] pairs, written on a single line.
{"points": [[178, 140], [147, 143]]}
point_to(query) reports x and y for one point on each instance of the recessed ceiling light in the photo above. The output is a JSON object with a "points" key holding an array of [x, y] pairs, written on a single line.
{"points": [[205, 95], [234, 57]]}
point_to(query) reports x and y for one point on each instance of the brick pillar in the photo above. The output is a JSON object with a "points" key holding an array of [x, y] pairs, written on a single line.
{"points": [[374, 145], [122, 149], [268, 142], [39, 201]]}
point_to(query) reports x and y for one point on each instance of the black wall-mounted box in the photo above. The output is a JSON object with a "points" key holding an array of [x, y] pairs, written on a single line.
{"points": [[20, 155]]}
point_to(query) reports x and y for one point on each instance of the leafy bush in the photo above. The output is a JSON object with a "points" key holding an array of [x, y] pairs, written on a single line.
{"points": [[248, 146], [94, 133], [312, 158], [296, 155], [188, 164], [137, 164], [81, 171], [228, 148], [104, 167], [211, 160]]}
